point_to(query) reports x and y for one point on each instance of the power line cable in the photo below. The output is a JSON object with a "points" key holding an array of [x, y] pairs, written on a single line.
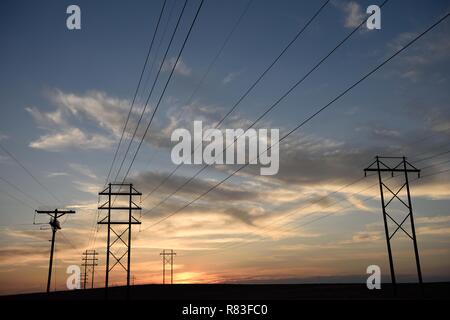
{"points": [[29, 172], [316, 113], [136, 91], [17, 199], [21, 191], [150, 94], [270, 108], [164, 89], [203, 78], [247, 92]]}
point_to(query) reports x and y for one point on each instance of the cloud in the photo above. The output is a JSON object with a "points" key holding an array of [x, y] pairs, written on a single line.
{"points": [[230, 77], [88, 187], [148, 180], [354, 13], [433, 220], [434, 231], [47, 120], [181, 68], [95, 120], [107, 112], [3, 136], [72, 111], [364, 236], [84, 170], [424, 58], [72, 138], [57, 174]]}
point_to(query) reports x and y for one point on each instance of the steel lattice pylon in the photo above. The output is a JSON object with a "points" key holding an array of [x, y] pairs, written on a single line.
{"points": [[167, 258], [119, 219], [90, 260], [400, 165]]}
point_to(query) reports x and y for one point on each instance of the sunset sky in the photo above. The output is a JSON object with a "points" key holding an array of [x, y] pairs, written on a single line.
{"points": [[64, 99]]}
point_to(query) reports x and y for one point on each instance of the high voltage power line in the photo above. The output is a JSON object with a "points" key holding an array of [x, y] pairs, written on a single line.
{"points": [[316, 113], [269, 109], [211, 64], [26, 194], [283, 138], [94, 228], [151, 92], [136, 91], [17, 199], [247, 92], [164, 89], [209, 68], [16, 160]]}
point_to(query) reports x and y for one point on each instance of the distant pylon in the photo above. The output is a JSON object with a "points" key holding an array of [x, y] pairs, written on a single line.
{"points": [[83, 279], [120, 218], [396, 165], [55, 225], [89, 260], [167, 258]]}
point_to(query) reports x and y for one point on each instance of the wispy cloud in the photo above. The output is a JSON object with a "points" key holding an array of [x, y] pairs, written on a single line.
{"points": [[230, 77], [422, 58], [64, 132], [72, 138], [353, 11], [3, 136], [84, 170], [181, 68], [57, 174]]}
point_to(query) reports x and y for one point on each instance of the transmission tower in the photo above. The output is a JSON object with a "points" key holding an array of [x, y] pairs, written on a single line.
{"points": [[55, 225], [123, 216], [167, 258], [89, 260], [394, 165]]}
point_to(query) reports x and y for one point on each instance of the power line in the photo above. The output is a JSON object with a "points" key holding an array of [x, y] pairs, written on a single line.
{"points": [[21, 191], [65, 239], [17, 199], [316, 113], [433, 156], [218, 54], [135, 95], [270, 108], [166, 27], [136, 91], [203, 78], [246, 93], [437, 164], [94, 227], [151, 92], [29, 173], [164, 89]]}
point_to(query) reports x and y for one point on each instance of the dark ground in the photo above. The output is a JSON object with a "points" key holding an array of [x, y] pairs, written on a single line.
{"points": [[237, 292]]}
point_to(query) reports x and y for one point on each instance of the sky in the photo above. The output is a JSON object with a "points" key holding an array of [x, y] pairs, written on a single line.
{"points": [[64, 99]]}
